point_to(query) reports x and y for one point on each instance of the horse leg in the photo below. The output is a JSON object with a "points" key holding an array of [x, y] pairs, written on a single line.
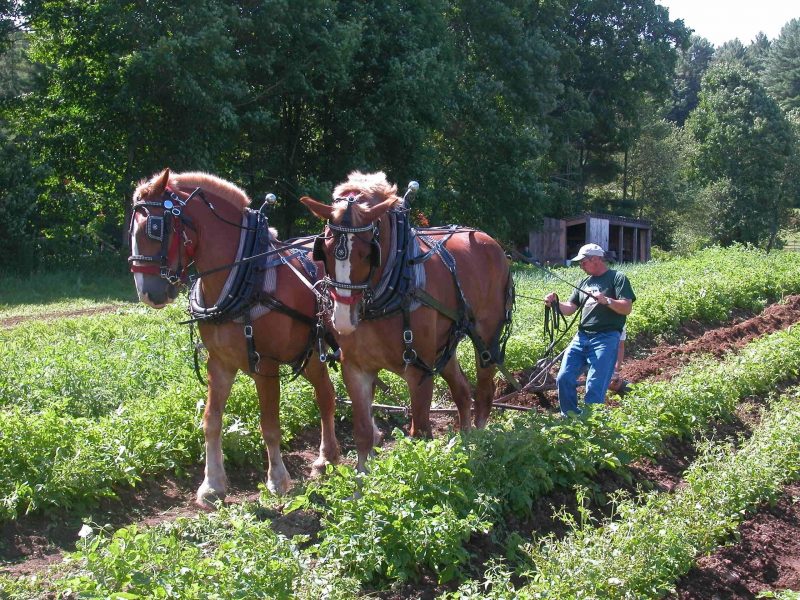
{"points": [[360, 385], [484, 393], [269, 393], [460, 392], [220, 381], [420, 388], [329, 453]]}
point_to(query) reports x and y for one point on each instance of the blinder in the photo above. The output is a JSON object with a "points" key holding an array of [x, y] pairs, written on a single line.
{"points": [[155, 228], [341, 252], [318, 253]]}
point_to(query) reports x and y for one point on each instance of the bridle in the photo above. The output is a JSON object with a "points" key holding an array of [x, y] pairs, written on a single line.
{"points": [[340, 233], [169, 228]]}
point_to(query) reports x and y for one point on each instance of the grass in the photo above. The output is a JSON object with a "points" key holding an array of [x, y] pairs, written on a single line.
{"points": [[43, 293]]}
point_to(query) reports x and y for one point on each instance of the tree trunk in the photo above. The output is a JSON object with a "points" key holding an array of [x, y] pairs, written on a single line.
{"points": [[625, 177]]}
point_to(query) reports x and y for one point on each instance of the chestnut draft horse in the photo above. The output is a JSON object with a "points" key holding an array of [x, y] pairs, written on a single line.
{"points": [[403, 299], [180, 218]]}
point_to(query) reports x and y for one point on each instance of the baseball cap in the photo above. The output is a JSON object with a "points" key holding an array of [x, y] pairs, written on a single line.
{"points": [[589, 250]]}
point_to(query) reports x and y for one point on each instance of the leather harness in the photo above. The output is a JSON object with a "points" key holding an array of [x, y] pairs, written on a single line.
{"points": [[244, 288], [400, 294]]}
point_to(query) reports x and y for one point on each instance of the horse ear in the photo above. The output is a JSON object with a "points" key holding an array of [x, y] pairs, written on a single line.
{"points": [[323, 211], [373, 213], [161, 183]]}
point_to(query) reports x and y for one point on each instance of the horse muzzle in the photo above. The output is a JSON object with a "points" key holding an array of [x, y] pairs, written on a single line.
{"points": [[344, 317], [154, 291]]}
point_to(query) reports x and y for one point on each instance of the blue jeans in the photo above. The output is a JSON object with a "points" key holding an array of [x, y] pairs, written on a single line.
{"points": [[595, 354]]}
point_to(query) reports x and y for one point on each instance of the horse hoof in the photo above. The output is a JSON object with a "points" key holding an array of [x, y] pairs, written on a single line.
{"points": [[377, 437], [280, 487], [209, 498]]}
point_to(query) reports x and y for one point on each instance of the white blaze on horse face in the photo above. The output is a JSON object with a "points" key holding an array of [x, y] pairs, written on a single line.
{"points": [[342, 315], [138, 278]]}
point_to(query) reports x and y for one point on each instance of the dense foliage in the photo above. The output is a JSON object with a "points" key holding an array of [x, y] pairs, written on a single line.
{"points": [[504, 110], [741, 189]]}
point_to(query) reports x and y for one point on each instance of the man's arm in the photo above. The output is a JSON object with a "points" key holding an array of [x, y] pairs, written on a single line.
{"points": [[567, 308], [621, 306]]}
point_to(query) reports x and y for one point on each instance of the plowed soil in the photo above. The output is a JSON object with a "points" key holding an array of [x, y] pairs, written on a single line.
{"points": [[764, 557]]}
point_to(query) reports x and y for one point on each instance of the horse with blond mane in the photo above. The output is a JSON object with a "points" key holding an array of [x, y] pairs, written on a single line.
{"points": [[403, 298], [252, 306]]}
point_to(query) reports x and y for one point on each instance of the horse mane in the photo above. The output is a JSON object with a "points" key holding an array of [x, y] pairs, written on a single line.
{"points": [[225, 190], [215, 185], [374, 186]]}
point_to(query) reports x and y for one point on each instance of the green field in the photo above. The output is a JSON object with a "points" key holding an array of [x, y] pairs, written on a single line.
{"points": [[89, 403]]}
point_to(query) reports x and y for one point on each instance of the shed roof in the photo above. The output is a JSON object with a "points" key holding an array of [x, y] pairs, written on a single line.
{"points": [[612, 219]]}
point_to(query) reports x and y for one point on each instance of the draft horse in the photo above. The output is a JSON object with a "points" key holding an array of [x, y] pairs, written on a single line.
{"points": [[403, 298], [201, 219]]}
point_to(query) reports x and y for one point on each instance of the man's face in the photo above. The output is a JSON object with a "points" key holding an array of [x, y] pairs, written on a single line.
{"points": [[591, 265]]}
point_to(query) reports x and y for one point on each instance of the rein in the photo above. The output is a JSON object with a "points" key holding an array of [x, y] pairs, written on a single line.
{"points": [[551, 273]]}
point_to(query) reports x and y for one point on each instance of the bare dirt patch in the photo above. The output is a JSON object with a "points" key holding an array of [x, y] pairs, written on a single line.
{"points": [[10, 322], [764, 556]]}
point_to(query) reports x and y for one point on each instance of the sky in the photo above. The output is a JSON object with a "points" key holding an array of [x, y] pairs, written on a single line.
{"points": [[722, 20]]}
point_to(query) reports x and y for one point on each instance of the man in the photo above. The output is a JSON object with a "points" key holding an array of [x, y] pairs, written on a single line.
{"points": [[605, 298]]}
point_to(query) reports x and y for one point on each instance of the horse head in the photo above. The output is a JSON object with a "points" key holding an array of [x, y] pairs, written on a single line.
{"points": [[171, 214], [156, 228], [351, 246]]}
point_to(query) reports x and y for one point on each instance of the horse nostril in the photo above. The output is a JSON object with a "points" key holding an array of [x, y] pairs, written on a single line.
{"points": [[156, 299]]}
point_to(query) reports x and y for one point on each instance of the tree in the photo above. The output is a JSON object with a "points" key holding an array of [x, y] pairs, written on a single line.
{"points": [[336, 88], [730, 51], [489, 151], [782, 73], [126, 89], [692, 65], [743, 145], [658, 185], [757, 53], [625, 53]]}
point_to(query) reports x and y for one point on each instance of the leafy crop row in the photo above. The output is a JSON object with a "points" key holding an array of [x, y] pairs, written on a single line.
{"points": [[423, 499], [649, 543], [92, 403], [233, 553], [510, 466]]}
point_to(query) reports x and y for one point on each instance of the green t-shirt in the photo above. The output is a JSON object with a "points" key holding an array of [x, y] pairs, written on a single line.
{"points": [[596, 318]]}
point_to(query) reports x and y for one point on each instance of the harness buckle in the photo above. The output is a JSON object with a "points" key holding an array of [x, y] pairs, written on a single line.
{"points": [[408, 336], [165, 273], [248, 331], [409, 356]]}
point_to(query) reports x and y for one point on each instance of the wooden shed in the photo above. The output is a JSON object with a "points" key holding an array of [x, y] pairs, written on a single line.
{"points": [[625, 239]]}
